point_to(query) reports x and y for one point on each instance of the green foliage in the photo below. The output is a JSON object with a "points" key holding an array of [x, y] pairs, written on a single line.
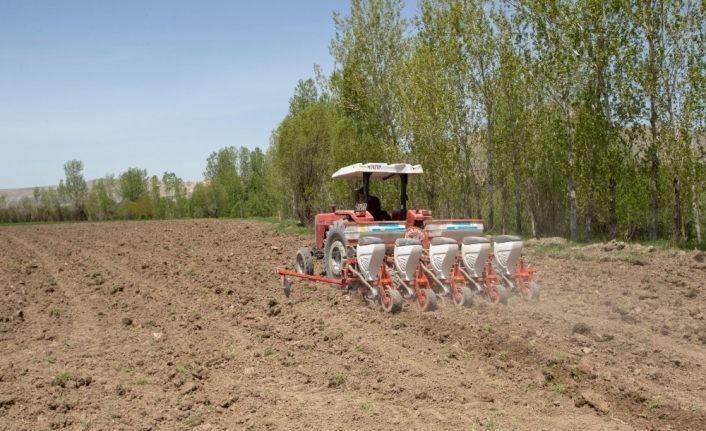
{"points": [[56, 312], [101, 203], [559, 388], [302, 151], [237, 185], [74, 187], [337, 380], [133, 184], [63, 378], [137, 201], [174, 200]]}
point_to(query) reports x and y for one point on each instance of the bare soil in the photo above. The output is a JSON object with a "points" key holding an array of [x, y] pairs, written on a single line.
{"points": [[182, 325]]}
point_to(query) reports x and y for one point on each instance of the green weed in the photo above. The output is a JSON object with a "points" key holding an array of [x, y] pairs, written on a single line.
{"points": [[63, 378], [559, 388], [337, 380]]}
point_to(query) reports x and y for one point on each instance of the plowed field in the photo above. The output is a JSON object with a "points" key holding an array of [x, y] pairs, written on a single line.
{"points": [[182, 325]]}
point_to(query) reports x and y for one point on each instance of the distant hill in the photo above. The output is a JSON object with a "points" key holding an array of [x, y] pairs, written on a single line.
{"points": [[15, 195]]}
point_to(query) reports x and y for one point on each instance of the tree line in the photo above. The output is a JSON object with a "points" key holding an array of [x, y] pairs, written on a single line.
{"points": [[579, 118], [234, 185]]}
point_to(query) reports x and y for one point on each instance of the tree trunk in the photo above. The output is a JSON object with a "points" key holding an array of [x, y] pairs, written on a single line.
{"points": [[677, 226], [695, 209], [654, 173], [488, 107], [518, 216], [653, 150], [573, 225], [612, 215], [504, 199]]}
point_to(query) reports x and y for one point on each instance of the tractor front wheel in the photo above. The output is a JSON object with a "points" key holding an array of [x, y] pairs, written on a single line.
{"points": [[335, 252], [304, 263]]}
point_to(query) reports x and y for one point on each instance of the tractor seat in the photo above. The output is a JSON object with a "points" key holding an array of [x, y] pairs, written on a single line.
{"points": [[370, 240], [441, 240], [401, 242], [475, 240], [506, 238]]}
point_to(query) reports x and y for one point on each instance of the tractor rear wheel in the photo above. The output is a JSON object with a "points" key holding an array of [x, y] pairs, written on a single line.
{"points": [[465, 297], [304, 263], [394, 301], [428, 301], [335, 252]]}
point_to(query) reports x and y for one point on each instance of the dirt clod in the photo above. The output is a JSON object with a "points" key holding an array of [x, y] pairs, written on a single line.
{"points": [[594, 400], [581, 328], [189, 388], [120, 390]]}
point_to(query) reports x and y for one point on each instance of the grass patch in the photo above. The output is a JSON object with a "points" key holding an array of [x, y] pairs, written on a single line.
{"points": [[364, 405], [141, 382], [269, 351], [503, 356], [337, 380], [291, 227], [654, 403], [575, 251], [183, 370], [194, 420], [55, 312], [563, 357], [567, 250], [630, 257], [559, 388], [230, 354], [63, 378]]}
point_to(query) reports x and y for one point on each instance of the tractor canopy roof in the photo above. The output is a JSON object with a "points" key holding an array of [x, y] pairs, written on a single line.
{"points": [[379, 171]]}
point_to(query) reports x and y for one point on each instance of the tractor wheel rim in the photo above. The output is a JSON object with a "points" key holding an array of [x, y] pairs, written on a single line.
{"points": [[336, 259]]}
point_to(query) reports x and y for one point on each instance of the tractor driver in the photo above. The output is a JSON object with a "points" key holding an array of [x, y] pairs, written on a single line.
{"points": [[376, 210]]}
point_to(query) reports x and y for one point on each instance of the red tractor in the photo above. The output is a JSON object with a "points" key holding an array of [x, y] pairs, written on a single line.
{"points": [[390, 258]]}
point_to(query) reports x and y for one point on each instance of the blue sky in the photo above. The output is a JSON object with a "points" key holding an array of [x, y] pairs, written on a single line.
{"points": [[152, 84]]}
